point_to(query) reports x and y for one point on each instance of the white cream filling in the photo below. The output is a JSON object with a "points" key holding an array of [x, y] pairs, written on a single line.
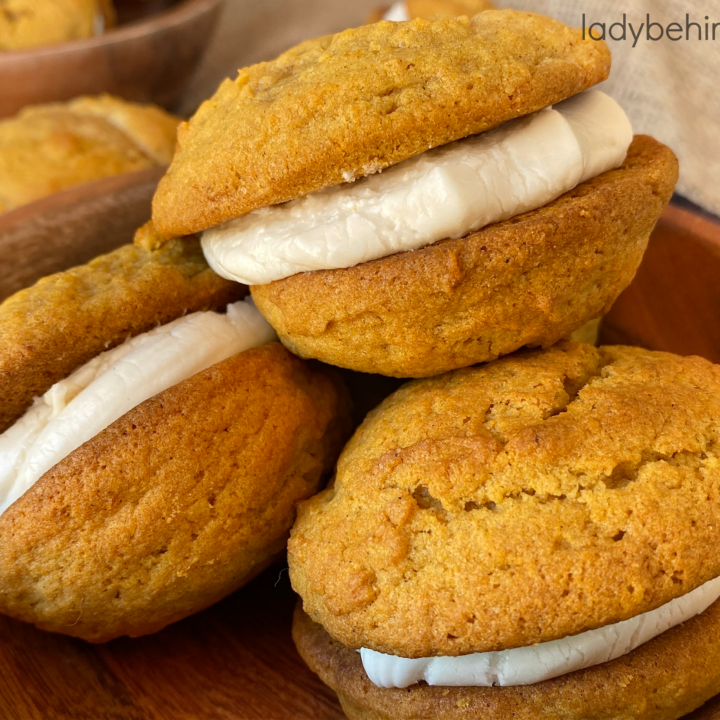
{"points": [[76, 409], [443, 193], [397, 12], [529, 665]]}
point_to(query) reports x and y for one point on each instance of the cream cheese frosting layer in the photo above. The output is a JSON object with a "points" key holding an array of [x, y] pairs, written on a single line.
{"points": [[76, 409], [529, 665], [397, 12], [446, 192]]}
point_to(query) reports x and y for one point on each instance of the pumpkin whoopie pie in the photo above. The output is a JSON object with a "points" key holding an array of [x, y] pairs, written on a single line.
{"points": [[158, 467], [496, 222], [529, 538]]}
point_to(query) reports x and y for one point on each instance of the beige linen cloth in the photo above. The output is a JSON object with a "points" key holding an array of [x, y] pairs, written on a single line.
{"points": [[670, 89]]}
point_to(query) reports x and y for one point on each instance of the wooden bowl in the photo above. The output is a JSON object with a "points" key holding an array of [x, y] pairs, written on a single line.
{"points": [[674, 302], [72, 227], [148, 60], [236, 660]]}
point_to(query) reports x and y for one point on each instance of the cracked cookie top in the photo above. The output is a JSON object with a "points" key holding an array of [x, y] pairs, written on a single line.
{"points": [[536, 497], [343, 106]]}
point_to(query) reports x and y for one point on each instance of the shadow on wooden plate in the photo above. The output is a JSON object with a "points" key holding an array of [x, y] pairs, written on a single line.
{"points": [[233, 661]]}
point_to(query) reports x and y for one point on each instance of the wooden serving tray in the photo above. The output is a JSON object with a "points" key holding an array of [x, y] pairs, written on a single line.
{"points": [[236, 661]]}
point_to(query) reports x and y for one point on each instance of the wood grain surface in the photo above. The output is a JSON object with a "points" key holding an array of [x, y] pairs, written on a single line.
{"points": [[149, 60], [236, 661]]}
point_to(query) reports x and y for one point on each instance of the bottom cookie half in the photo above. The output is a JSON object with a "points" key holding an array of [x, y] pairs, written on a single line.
{"points": [[530, 280], [664, 679]]}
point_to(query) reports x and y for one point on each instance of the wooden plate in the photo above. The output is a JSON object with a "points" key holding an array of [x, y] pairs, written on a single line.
{"points": [[236, 661], [149, 59]]}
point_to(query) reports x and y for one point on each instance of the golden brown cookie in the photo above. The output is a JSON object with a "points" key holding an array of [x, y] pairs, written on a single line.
{"points": [[47, 148], [148, 126], [66, 319], [530, 280], [530, 499], [31, 23], [177, 503], [350, 104], [441, 8], [661, 680]]}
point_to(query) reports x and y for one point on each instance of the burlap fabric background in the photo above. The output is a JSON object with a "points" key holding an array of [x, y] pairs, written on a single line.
{"points": [[670, 89]]}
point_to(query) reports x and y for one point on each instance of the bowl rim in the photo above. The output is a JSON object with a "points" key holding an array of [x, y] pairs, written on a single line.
{"points": [[182, 12], [69, 197]]}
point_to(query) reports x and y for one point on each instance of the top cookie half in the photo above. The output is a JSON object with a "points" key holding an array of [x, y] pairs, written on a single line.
{"points": [[343, 106]]}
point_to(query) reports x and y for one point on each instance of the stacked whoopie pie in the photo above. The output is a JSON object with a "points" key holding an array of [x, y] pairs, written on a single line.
{"points": [[530, 539], [526, 538], [154, 442], [496, 222]]}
